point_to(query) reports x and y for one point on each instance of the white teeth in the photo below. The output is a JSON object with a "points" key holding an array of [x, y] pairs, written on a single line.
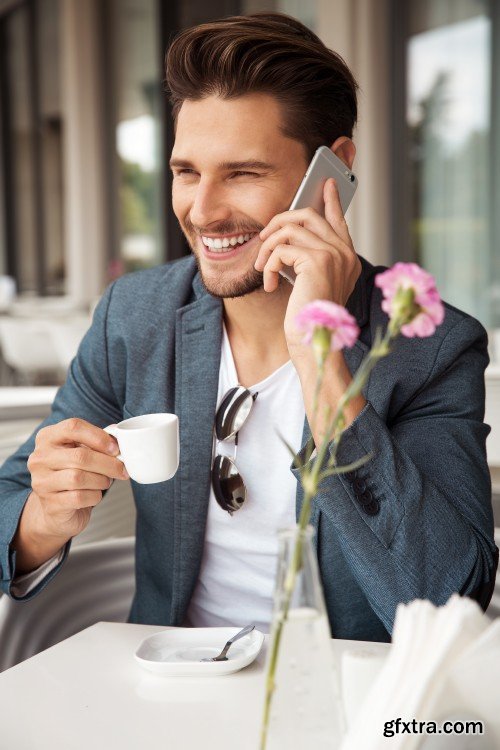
{"points": [[215, 243]]}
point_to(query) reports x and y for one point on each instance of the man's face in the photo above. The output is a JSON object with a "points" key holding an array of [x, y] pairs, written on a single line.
{"points": [[233, 171]]}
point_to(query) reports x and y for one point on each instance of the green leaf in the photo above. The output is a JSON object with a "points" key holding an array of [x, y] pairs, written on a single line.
{"points": [[348, 467], [295, 457]]}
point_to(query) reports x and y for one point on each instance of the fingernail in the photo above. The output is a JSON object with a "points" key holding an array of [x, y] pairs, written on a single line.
{"points": [[125, 473], [112, 448]]}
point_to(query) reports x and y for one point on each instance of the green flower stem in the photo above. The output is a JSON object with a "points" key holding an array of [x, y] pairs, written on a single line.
{"points": [[294, 567], [379, 350], [319, 380], [309, 480], [311, 477]]}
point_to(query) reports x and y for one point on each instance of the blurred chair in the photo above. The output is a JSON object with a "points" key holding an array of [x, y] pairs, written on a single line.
{"points": [[33, 347], [7, 292], [96, 584], [45, 307], [66, 336], [28, 349], [113, 518]]}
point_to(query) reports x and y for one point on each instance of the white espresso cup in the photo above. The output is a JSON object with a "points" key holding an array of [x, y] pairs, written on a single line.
{"points": [[149, 446]]}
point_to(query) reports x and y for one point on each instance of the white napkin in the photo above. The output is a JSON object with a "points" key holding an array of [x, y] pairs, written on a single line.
{"points": [[442, 660], [359, 670]]}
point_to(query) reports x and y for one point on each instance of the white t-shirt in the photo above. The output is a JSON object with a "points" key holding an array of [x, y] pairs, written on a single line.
{"points": [[236, 581]]}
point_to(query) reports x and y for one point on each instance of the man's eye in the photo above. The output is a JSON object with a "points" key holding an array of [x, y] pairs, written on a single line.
{"points": [[182, 172], [235, 174]]}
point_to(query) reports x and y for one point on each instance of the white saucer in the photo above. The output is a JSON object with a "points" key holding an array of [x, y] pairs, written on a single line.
{"points": [[179, 651]]}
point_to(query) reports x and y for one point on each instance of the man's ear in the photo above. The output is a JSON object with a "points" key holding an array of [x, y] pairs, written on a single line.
{"points": [[345, 149]]}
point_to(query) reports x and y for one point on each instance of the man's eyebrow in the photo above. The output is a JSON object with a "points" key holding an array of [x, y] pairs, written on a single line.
{"points": [[236, 165]]}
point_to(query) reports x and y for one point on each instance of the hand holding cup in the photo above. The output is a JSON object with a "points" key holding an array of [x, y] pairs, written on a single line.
{"points": [[73, 463]]}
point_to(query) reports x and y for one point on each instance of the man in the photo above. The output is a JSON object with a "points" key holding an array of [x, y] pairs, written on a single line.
{"points": [[253, 97]]}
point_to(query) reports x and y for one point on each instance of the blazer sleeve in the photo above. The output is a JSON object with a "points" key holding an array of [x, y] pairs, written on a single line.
{"points": [[416, 520], [88, 394]]}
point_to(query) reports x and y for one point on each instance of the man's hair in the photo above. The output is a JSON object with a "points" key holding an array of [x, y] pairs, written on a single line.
{"points": [[269, 53]]}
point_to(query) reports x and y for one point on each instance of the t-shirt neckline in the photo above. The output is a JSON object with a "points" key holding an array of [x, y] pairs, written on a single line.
{"points": [[232, 367]]}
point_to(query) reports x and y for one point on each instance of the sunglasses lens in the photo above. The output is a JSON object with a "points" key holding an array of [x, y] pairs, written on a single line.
{"points": [[232, 412], [229, 488]]}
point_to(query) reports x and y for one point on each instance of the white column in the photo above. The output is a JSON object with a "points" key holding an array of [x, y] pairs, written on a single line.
{"points": [[359, 31], [84, 165]]}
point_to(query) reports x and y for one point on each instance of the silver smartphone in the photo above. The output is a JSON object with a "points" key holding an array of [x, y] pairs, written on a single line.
{"points": [[324, 164]]}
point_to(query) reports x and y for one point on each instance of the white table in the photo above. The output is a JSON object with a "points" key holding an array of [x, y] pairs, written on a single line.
{"points": [[25, 402], [89, 692]]}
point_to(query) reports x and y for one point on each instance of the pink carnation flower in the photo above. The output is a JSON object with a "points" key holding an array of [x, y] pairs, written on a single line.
{"points": [[430, 309], [335, 318]]}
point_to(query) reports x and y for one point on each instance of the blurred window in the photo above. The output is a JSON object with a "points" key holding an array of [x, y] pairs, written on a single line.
{"points": [[136, 91], [32, 147], [452, 140]]}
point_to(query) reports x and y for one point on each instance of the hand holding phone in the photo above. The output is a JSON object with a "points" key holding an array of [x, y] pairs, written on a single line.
{"points": [[324, 164]]}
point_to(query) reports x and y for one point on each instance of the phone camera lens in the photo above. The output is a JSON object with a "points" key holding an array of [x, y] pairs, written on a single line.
{"points": [[351, 177]]}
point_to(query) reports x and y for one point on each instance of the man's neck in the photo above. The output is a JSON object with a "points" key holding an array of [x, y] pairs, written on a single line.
{"points": [[256, 320]]}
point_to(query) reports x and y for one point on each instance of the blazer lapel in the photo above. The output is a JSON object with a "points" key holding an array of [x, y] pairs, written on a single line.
{"points": [[197, 353], [198, 337]]}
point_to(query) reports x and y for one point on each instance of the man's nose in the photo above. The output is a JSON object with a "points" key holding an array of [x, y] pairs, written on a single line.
{"points": [[209, 205]]}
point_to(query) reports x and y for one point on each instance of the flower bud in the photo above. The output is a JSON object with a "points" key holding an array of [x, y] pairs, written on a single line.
{"points": [[404, 308], [321, 340]]}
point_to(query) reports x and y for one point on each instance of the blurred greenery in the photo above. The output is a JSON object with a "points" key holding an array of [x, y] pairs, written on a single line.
{"points": [[137, 198], [450, 227]]}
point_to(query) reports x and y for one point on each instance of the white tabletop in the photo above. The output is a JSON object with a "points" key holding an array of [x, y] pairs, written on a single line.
{"points": [[24, 402], [89, 692]]}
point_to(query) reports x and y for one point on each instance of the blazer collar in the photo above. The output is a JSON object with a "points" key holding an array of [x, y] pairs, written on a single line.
{"points": [[198, 330], [199, 288], [358, 304]]}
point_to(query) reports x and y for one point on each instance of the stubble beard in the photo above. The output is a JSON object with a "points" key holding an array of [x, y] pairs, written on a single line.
{"points": [[218, 285]]}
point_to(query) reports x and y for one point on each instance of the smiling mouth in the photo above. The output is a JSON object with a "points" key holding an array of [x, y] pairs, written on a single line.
{"points": [[221, 245]]}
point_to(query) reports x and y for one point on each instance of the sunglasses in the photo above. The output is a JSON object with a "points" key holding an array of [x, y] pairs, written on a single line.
{"points": [[227, 482]]}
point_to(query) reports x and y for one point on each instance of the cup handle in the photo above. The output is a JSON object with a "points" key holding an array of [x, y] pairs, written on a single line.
{"points": [[111, 430]]}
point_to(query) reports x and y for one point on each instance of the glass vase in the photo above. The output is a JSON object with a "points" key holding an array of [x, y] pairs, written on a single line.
{"points": [[305, 709]]}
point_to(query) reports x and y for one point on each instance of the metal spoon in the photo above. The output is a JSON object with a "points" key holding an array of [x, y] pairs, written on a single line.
{"points": [[222, 656]]}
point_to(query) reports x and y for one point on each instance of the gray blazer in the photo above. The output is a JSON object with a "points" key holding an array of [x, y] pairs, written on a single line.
{"points": [[416, 521]]}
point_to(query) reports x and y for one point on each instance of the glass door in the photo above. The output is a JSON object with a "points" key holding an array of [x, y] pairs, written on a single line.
{"points": [[451, 138]]}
